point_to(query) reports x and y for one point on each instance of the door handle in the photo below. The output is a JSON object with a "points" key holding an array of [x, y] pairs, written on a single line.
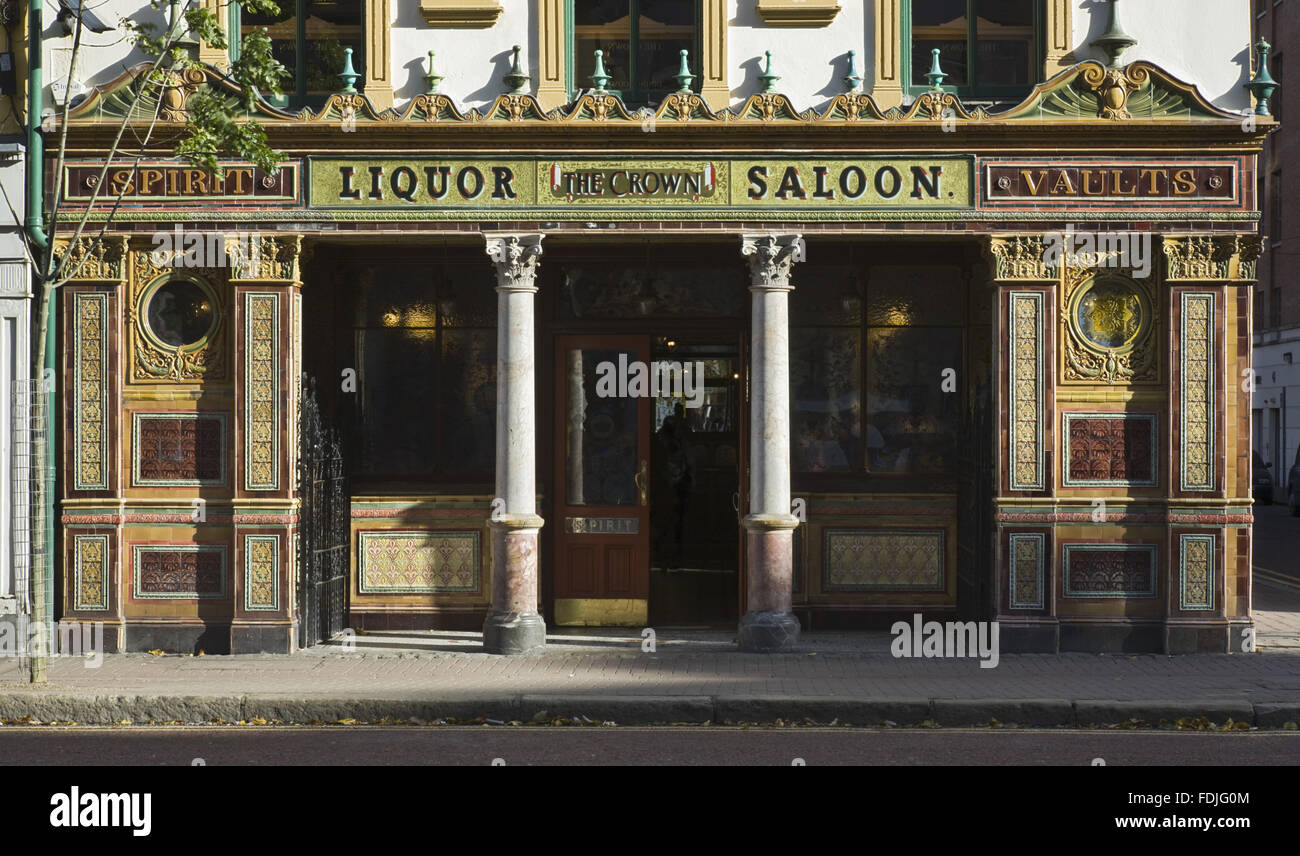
{"points": [[735, 501], [641, 479]]}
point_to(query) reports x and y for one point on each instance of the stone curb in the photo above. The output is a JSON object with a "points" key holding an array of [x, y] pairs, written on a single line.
{"points": [[92, 709]]}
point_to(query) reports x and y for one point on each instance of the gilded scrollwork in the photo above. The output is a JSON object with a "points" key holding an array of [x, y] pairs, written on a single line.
{"points": [[1118, 346], [152, 362], [1113, 86], [1021, 258], [1212, 258], [92, 258]]}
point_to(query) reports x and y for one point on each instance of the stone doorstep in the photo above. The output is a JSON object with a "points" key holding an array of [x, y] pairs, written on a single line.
{"points": [[95, 709]]}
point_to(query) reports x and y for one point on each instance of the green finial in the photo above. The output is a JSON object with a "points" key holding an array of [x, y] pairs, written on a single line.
{"points": [[432, 79], [349, 75], [1263, 85], [600, 78], [853, 79], [515, 78], [684, 76], [1114, 41], [935, 75], [767, 77]]}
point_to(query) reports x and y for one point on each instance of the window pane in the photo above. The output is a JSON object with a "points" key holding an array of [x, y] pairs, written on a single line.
{"points": [[665, 29], [825, 425], [940, 24], [908, 295], [911, 422], [283, 32], [600, 433], [604, 25], [1005, 35], [468, 402], [643, 292], [826, 295], [331, 27], [397, 395]]}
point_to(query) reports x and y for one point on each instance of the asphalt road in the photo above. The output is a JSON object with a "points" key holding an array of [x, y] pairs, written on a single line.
{"points": [[635, 746], [1277, 541]]}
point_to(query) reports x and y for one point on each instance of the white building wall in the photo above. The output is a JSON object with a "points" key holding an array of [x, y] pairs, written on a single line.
{"points": [[15, 367], [1205, 42]]}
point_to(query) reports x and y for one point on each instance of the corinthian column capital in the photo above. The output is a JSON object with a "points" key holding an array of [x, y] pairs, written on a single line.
{"points": [[515, 257], [771, 258]]}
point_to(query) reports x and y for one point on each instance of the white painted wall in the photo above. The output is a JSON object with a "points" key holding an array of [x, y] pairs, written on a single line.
{"points": [[1278, 389], [1202, 42], [15, 357], [812, 62]]}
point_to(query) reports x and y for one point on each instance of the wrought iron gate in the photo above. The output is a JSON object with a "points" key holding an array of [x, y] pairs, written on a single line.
{"points": [[323, 530]]}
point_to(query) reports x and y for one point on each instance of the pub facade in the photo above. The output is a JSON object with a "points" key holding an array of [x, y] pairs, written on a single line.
{"points": [[772, 315]]}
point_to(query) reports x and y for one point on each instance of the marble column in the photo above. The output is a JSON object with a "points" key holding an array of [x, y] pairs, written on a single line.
{"points": [[515, 626], [768, 624]]}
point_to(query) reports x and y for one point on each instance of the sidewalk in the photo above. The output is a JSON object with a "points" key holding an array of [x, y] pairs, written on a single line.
{"points": [[691, 677]]}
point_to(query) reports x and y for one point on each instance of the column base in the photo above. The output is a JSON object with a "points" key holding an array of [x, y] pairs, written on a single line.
{"points": [[514, 633], [768, 632]]}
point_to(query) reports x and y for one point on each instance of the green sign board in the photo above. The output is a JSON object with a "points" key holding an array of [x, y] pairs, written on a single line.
{"points": [[697, 188]]}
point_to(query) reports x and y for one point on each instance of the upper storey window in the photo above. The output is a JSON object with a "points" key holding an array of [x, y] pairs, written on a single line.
{"points": [[308, 37], [641, 42], [987, 48]]}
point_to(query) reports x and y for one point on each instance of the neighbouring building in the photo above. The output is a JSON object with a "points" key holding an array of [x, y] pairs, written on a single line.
{"points": [[1276, 400], [761, 313]]}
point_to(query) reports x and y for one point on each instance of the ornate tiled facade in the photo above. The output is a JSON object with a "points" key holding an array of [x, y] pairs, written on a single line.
{"points": [[860, 560], [408, 562], [262, 381], [179, 572], [1109, 570], [90, 579], [1026, 387], [1196, 572], [1110, 449], [90, 382], [1027, 563], [178, 449], [1196, 411], [261, 572]]}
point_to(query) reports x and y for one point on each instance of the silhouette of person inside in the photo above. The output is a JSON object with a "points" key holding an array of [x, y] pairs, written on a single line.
{"points": [[674, 446]]}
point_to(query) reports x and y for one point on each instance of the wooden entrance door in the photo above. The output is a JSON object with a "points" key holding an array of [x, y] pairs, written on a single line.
{"points": [[602, 478]]}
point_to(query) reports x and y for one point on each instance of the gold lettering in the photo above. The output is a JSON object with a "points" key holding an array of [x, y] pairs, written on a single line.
{"points": [[1117, 184], [148, 178], [1185, 182], [239, 173], [1064, 179], [196, 179], [1155, 187], [1087, 176], [1029, 179], [121, 181]]}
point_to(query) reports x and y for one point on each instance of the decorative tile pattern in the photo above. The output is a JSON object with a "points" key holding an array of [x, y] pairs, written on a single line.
{"points": [[90, 589], [1110, 570], [883, 560], [1110, 449], [179, 571], [418, 562], [1026, 388], [1196, 395], [1196, 572], [262, 391], [178, 449], [262, 572], [90, 385], [1026, 552]]}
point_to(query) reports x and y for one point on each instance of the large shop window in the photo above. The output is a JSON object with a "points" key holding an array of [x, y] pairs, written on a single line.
{"points": [[641, 42], [875, 370], [426, 351], [987, 48], [308, 37]]}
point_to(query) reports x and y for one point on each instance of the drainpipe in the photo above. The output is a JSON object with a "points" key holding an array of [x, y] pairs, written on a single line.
{"points": [[43, 585]]}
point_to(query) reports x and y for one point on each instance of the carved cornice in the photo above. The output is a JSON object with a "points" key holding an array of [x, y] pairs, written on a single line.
{"points": [[798, 13], [1087, 92], [771, 259], [93, 259], [1212, 258], [460, 13], [515, 258], [1021, 258]]}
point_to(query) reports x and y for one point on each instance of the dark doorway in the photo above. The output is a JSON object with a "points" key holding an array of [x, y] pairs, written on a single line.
{"points": [[695, 452]]}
